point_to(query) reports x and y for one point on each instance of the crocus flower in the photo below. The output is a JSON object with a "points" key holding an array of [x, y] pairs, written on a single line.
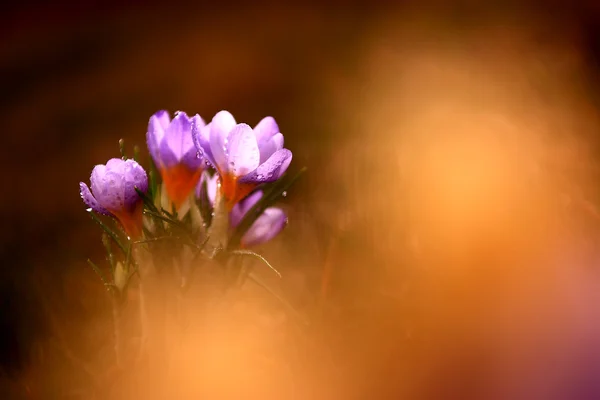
{"points": [[264, 228], [174, 154], [244, 157], [113, 193]]}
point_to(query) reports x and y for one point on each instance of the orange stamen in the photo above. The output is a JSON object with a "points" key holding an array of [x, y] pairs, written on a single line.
{"points": [[179, 182]]}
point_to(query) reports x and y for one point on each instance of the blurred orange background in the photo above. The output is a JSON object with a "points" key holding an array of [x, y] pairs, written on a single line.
{"points": [[446, 217]]}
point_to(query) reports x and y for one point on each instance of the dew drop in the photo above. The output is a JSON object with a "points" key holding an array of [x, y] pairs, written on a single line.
{"points": [[284, 193], [88, 209]]}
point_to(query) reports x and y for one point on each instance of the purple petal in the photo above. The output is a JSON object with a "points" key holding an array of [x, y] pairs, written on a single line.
{"points": [[191, 160], [110, 191], [270, 170], [90, 200], [201, 137], [239, 211], [244, 155], [167, 158], [178, 135], [134, 177], [270, 146], [265, 228], [220, 126], [211, 187], [116, 165], [265, 129], [113, 184], [156, 131], [104, 183]]}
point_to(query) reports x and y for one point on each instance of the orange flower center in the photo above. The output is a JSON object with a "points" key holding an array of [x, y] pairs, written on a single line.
{"points": [[179, 182], [132, 222], [234, 191]]}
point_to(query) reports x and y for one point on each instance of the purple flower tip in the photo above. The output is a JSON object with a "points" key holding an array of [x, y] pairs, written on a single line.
{"points": [[113, 191], [170, 142]]}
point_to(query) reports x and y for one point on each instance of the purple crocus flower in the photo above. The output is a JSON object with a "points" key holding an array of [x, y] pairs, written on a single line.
{"points": [[244, 157], [113, 193], [173, 151], [264, 228]]}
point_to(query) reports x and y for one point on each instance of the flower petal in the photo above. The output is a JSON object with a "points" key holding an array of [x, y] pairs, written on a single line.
{"points": [[90, 200], [239, 211], [270, 170], [106, 185], [167, 156], [270, 146], [242, 147], [134, 177], [211, 187], [156, 131], [111, 195], [201, 138], [179, 135], [221, 124], [265, 129], [265, 228]]}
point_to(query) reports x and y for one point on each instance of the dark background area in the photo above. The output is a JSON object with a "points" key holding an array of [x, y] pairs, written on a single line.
{"points": [[75, 78]]}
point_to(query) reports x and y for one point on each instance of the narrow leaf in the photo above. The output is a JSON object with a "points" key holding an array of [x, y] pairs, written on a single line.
{"points": [[109, 231], [98, 271], [147, 200], [256, 255]]}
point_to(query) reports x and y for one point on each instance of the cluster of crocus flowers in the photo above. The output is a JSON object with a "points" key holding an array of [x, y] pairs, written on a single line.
{"points": [[182, 148], [114, 193], [174, 153], [243, 157], [263, 229]]}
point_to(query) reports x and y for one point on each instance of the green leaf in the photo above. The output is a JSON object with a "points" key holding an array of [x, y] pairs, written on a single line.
{"points": [[110, 256], [152, 184], [206, 208], [266, 201], [147, 200], [173, 222], [157, 239], [256, 255], [98, 271], [109, 231]]}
